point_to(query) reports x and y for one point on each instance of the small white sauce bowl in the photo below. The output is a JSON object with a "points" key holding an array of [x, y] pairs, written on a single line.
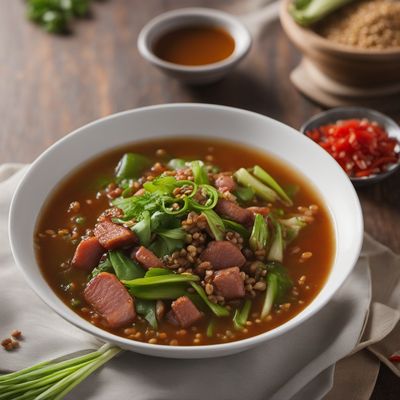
{"points": [[187, 17]]}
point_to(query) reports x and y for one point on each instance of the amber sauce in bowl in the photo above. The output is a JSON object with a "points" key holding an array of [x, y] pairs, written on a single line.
{"points": [[195, 45]]}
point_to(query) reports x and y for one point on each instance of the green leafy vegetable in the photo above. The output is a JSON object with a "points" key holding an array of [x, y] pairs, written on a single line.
{"points": [[266, 178], [292, 227], [176, 233], [270, 295], [159, 289], [210, 328], [50, 14], [259, 234], [176, 163], [234, 226], [240, 317], [218, 310], [133, 207], [276, 249], [168, 241], [157, 272], [125, 268], [54, 379], [244, 194], [161, 280], [143, 229], [162, 185], [307, 12], [147, 308], [291, 190], [164, 246], [246, 179], [159, 292], [215, 223], [278, 284], [131, 166], [163, 220], [104, 266], [199, 172]]}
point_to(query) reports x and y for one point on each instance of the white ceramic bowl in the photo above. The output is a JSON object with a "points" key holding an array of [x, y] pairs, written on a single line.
{"points": [[195, 75], [201, 120]]}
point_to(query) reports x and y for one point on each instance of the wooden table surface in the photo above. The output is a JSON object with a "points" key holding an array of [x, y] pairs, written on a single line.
{"points": [[51, 85]]}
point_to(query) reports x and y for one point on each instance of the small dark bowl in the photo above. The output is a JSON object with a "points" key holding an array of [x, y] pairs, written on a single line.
{"points": [[335, 114]]}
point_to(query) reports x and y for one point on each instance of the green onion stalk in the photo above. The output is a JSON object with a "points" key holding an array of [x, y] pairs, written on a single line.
{"points": [[308, 12], [53, 379]]}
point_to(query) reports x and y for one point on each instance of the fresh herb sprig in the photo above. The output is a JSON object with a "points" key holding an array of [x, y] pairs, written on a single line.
{"points": [[55, 15]]}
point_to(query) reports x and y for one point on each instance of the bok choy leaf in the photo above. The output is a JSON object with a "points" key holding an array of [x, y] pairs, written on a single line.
{"points": [[246, 179], [259, 235], [240, 317], [266, 178], [278, 284], [215, 224]]}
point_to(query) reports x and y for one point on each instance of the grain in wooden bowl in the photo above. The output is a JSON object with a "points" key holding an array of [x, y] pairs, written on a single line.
{"points": [[350, 65]]}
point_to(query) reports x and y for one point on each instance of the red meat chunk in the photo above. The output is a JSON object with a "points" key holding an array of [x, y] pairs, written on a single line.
{"points": [[112, 236], [228, 283], [225, 183], [185, 312], [223, 254], [233, 211], [147, 258], [88, 254], [264, 211], [109, 297]]}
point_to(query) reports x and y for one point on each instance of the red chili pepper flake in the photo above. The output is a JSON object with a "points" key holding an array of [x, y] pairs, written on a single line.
{"points": [[361, 147], [395, 358]]}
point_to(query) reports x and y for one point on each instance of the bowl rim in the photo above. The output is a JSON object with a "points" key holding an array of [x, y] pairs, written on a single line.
{"points": [[369, 112], [291, 26], [214, 16], [167, 350]]}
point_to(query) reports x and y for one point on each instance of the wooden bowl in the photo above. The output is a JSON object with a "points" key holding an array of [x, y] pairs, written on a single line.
{"points": [[343, 64]]}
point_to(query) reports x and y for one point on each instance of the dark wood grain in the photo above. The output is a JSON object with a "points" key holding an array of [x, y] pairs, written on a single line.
{"points": [[51, 85]]}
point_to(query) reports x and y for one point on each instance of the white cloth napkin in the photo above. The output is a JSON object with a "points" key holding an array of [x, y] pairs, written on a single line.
{"points": [[296, 365]]}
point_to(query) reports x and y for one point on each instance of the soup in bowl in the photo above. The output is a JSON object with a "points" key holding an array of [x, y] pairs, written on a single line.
{"points": [[207, 232]]}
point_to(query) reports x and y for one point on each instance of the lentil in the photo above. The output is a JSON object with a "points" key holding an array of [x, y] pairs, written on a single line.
{"points": [[369, 24], [16, 334], [306, 255]]}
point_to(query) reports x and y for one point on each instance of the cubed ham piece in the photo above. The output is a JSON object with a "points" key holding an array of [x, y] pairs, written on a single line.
{"points": [[225, 183], [228, 283], [112, 236], [147, 258], [109, 297], [88, 254], [264, 211], [184, 312], [234, 212], [223, 254], [171, 318]]}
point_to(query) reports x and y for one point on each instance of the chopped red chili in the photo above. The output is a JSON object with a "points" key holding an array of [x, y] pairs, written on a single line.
{"points": [[395, 358], [361, 147]]}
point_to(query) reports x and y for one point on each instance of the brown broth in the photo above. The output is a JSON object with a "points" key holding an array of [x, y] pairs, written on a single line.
{"points": [[53, 251], [194, 45]]}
